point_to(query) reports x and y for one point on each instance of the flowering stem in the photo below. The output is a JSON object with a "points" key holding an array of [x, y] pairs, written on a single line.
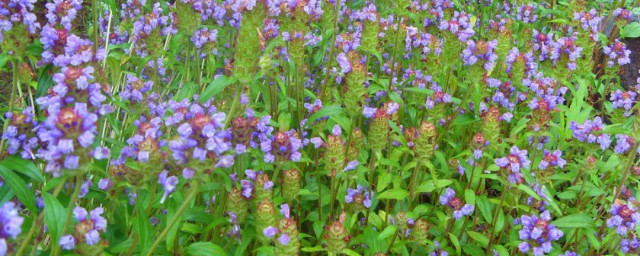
{"points": [[412, 184], [332, 49], [493, 220], [11, 103], [178, 215], [72, 201], [26, 241]]}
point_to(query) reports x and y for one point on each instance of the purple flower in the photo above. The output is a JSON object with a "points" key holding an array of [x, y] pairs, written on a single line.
{"points": [[538, 233], [10, 221], [360, 195], [459, 208], [514, 162], [392, 108], [624, 217], [284, 210], [552, 159], [67, 242], [369, 112], [591, 132], [168, 183], [351, 165], [270, 231], [344, 63], [624, 100], [92, 237], [337, 131], [617, 53], [283, 239]]}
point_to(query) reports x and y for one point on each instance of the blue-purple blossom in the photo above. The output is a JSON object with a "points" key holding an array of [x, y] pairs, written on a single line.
{"points": [[10, 224], [459, 208], [624, 217], [538, 234], [617, 53], [514, 162], [591, 132], [270, 231], [168, 183], [360, 195], [623, 100], [552, 159]]}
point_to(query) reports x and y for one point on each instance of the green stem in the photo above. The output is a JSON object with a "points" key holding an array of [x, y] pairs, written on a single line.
{"points": [[26, 241], [72, 201], [11, 103], [332, 49], [493, 221], [178, 215]]}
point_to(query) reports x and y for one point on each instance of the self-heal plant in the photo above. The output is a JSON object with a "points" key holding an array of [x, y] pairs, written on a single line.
{"points": [[538, 234], [460, 209]]}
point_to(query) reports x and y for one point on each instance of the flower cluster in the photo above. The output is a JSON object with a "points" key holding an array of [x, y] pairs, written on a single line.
{"points": [[87, 230], [617, 53], [538, 234], [10, 223], [20, 135], [623, 100], [358, 197], [460, 209], [591, 132], [514, 163], [624, 217]]}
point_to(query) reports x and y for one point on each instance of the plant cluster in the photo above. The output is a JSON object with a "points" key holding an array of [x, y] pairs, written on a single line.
{"points": [[309, 127]]}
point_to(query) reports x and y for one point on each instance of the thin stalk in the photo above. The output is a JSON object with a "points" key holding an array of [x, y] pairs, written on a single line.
{"points": [[26, 241], [493, 220], [72, 201], [331, 50], [11, 103], [178, 215]]}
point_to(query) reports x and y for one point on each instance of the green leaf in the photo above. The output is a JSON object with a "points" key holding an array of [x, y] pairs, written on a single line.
{"points": [[470, 196], [54, 216], [578, 220], [317, 248], [142, 227], [631, 30], [216, 87], [325, 111], [501, 250], [396, 193], [19, 187], [529, 191], [429, 186], [387, 232], [480, 238], [205, 248], [456, 242], [499, 221], [350, 252]]}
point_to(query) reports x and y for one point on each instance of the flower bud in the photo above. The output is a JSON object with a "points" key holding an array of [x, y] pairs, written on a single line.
{"points": [[237, 204], [356, 144], [355, 87], [290, 246], [291, 185], [248, 43], [420, 231], [491, 126], [265, 216], [334, 156], [264, 188], [426, 142], [336, 237], [379, 131]]}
